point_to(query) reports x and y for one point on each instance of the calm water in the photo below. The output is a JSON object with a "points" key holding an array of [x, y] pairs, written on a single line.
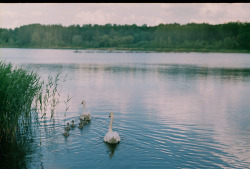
{"points": [[172, 110]]}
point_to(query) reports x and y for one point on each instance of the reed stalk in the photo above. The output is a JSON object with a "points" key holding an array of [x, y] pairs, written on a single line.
{"points": [[23, 94]]}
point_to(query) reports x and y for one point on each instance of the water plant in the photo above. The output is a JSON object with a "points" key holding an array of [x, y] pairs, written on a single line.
{"points": [[66, 104], [18, 88], [49, 96], [23, 94]]}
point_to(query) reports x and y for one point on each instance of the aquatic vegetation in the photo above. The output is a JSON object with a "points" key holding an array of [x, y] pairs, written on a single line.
{"points": [[23, 96], [50, 94], [66, 104], [18, 88]]}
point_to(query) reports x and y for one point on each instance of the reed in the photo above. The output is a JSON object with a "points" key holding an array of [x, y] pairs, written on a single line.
{"points": [[48, 98], [18, 89], [22, 95]]}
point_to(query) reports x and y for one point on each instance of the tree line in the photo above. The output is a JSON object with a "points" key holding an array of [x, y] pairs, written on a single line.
{"points": [[230, 36]]}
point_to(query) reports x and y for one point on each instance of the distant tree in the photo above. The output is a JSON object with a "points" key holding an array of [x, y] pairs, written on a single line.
{"points": [[36, 39], [244, 40], [76, 40], [232, 35]]}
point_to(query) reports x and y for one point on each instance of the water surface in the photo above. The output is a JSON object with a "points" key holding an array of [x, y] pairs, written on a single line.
{"points": [[172, 110]]}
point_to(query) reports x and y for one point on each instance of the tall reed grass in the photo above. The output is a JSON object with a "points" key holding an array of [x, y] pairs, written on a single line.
{"points": [[22, 94], [18, 88]]}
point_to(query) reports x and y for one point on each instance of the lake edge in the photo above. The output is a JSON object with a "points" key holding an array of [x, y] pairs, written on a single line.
{"points": [[142, 50]]}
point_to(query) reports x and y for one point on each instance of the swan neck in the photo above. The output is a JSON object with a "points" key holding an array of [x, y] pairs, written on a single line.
{"points": [[83, 105], [111, 123]]}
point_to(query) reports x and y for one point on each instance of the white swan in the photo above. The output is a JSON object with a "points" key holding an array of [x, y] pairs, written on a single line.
{"points": [[85, 115], [111, 137]]}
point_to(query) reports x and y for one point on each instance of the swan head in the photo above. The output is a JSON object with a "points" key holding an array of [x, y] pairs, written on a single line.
{"points": [[111, 115], [83, 102]]}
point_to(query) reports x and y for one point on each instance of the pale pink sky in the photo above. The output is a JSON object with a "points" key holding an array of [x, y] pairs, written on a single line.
{"points": [[16, 14]]}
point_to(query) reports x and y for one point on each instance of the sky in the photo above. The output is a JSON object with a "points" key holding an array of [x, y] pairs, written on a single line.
{"points": [[14, 15]]}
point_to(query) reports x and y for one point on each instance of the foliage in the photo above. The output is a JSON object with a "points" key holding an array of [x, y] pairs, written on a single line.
{"points": [[23, 95], [17, 90], [232, 35]]}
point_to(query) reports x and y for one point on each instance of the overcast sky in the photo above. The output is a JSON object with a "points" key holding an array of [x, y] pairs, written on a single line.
{"points": [[13, 15]]}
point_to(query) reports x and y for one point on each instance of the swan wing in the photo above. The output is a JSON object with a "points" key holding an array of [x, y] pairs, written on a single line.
{"points": [[85, 116], [112, 137], [116, 136]]}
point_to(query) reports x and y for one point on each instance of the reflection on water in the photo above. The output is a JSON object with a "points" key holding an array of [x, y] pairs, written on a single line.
{"points": [[18, 153], [172, 110], [164, 69], [111, 149]]}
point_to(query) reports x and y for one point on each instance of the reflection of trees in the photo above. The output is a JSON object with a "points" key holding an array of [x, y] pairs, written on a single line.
{"points": [[18, 153], [168, 70], [192, 71]]}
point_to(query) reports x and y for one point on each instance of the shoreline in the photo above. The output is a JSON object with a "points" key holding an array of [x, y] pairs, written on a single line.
{"points": [[143, 50]]}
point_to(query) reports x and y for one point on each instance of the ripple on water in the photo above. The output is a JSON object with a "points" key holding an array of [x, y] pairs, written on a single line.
{"points": [[171, 111], [145, 140]]}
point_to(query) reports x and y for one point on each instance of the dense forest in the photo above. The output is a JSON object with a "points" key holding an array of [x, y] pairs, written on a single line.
{"points": [[163, 37]]}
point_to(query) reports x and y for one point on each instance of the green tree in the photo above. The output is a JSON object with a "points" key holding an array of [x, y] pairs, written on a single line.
{"points": [[77, 40], [36, 39]]}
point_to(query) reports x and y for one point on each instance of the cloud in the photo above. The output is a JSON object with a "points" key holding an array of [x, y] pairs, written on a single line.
{"points": [[98, 16], [15, 15], [222, 13]]}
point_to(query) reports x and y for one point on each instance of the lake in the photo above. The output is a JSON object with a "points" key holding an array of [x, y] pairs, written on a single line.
{"points": [[172, 110]]}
